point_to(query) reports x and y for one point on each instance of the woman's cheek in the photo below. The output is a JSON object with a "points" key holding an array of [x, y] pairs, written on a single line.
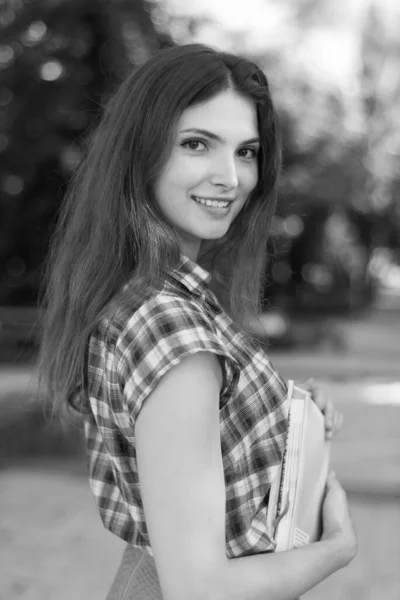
{"points": [[191, 170]]}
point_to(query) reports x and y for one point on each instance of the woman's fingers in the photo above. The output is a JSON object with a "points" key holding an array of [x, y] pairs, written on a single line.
{"points": [[338, 422], [321, 397], [329, 413]]}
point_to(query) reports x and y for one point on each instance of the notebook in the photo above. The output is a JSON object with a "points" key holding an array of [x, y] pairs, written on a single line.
{"points": [[296, 494]]}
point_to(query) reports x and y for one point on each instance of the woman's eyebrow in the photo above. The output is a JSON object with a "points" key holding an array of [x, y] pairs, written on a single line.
{"points": [[213, 136]]}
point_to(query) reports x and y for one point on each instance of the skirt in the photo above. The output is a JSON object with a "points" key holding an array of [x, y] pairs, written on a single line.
{"points": [[136, 578]]}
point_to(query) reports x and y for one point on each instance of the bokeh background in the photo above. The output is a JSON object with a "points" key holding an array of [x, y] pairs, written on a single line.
{"points": [[332, 298]]}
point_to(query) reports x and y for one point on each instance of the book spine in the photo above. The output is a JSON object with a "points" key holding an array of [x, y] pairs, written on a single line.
{"points": [[279, 508], [289, 483]]}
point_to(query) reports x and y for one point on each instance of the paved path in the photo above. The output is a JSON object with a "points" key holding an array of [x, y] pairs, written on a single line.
{"points": [[16, 380], [52, 543], [372, 348]]}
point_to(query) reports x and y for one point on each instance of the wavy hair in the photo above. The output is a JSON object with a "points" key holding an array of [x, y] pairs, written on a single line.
{"points": [[109, 229]]}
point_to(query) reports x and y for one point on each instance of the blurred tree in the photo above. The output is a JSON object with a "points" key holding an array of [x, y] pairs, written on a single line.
{"points": [[59, 59], [380, 77], [334, 70]]}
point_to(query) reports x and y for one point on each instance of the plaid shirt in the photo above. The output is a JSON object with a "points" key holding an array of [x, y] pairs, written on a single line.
{"points": [[129, 354]]}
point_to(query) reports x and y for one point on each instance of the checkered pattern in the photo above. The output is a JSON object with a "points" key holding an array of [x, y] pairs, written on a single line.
{"points": [[129, 354]]}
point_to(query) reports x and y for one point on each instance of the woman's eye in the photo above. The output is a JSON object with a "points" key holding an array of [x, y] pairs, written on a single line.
{"points": [[193, 144], [200, 146], [249, 152]]}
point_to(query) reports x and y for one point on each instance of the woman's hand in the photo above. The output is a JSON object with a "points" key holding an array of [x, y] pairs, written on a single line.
{"points": [[333, 418], [337, 523]]}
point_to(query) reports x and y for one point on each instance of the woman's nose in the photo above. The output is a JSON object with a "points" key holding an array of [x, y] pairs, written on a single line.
{"points": [[224, 172]]}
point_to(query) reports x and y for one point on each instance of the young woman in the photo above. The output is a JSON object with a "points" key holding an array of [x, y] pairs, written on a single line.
{"points": [[185, 417]]}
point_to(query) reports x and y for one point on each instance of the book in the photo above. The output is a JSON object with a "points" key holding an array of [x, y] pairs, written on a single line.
{"points": [[297, 492]]}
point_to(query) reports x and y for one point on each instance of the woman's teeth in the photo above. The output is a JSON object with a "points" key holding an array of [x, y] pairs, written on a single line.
{"points": [[213, 203]]}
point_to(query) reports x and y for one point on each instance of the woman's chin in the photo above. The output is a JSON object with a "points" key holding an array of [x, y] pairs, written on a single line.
{"points": [[215, 234]]}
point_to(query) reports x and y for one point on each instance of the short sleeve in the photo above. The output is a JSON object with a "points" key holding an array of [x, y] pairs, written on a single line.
{"points": [[157, 337]]}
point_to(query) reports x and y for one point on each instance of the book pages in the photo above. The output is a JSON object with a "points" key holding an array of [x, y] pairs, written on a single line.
{"points": [[296, 495]]}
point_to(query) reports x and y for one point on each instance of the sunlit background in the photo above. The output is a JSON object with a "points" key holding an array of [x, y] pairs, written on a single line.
{"points": [[331, 304]]}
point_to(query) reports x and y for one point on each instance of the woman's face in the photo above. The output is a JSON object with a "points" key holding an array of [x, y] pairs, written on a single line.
{"points": [[212, 169]]}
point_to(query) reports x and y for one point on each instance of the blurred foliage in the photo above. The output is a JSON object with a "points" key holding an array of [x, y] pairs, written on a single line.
{"points": [[341, 144], [60, 59], [58, 62]]}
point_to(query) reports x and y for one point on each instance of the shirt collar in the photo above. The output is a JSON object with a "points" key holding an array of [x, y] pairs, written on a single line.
{"points": [[191, 275]]}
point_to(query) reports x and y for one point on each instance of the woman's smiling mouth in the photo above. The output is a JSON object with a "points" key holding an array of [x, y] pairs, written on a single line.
{"points": [[211, 202]]}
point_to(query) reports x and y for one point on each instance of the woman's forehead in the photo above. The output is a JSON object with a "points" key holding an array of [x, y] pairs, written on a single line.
{"points": [[225, 112]]}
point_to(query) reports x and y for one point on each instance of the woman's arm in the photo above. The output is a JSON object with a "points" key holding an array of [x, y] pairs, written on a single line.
{"points": [[182, 484]]}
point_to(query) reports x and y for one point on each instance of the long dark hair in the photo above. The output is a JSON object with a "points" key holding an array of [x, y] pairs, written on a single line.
{"points": [[109, 230]]}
